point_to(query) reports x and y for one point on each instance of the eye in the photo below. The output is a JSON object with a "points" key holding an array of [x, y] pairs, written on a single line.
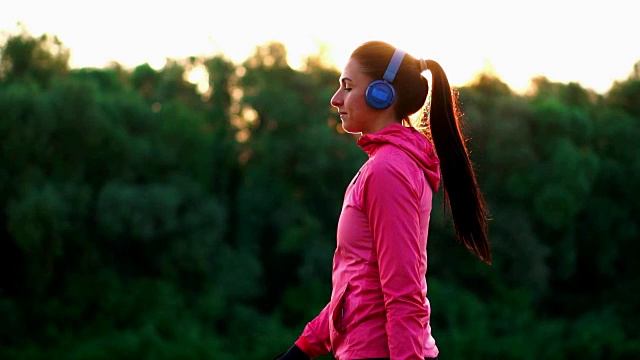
{"points": [[345, 85]]}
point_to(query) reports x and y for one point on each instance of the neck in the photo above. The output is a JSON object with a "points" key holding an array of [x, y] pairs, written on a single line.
{"points": [[380, 123]]}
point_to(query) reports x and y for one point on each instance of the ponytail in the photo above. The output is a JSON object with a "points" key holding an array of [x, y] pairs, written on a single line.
{"points": [[461, 191]]}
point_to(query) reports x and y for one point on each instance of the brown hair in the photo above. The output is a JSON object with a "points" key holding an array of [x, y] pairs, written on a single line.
{"points": [[461, 190]]}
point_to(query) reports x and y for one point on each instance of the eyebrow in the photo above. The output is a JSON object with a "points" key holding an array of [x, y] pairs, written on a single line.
{"points": [[345, 79]]}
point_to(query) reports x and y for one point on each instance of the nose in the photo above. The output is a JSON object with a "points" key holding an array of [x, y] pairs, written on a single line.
{"points": [[336, 99]]}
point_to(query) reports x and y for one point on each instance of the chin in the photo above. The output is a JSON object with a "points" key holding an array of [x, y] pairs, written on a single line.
{"points": [[350, 130]]}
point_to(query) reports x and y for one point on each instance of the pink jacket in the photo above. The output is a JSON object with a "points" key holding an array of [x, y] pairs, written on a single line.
{"points": [[379, 306]]}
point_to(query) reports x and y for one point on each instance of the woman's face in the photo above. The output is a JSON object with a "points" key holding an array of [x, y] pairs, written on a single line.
{"points": [[349, 99]]}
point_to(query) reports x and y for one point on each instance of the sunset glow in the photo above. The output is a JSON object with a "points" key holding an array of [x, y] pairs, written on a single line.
{"points": [[566, 41]]}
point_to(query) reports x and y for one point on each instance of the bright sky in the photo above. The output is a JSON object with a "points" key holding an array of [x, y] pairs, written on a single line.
{"points": [[590, 42]]}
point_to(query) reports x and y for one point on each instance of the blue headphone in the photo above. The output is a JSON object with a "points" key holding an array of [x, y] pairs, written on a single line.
{"points": [[380, 93]]}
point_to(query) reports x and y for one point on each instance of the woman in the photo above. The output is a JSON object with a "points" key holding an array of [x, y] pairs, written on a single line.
{"points": [[378, 307]]}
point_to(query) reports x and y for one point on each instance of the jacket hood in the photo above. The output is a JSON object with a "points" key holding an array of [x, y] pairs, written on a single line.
{"points": [[410, 141]]}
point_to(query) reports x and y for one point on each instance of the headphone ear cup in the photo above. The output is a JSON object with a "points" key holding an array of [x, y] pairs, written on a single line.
{"points": [[380, 94]]}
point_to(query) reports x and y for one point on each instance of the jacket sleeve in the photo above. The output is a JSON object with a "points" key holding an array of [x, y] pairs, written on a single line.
{"points": [[315, 340], [392, 204]]}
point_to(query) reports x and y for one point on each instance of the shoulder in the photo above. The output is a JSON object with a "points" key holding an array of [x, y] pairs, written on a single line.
{"points": [[391, 159], [389, 167]]}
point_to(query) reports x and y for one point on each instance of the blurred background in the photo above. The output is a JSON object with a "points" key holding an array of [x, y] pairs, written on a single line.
{"points": [[181, 203]]}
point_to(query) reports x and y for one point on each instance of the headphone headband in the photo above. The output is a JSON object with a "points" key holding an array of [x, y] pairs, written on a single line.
{"points": [[394, 65]]}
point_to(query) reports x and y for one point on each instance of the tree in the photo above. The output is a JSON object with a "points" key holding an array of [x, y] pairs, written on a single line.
{"points": [[27, 58], [625, 94]]}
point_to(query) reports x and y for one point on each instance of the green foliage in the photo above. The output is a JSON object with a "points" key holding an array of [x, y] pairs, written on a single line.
{"points": [[625, 95], [147, 217], [25, 58]]}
